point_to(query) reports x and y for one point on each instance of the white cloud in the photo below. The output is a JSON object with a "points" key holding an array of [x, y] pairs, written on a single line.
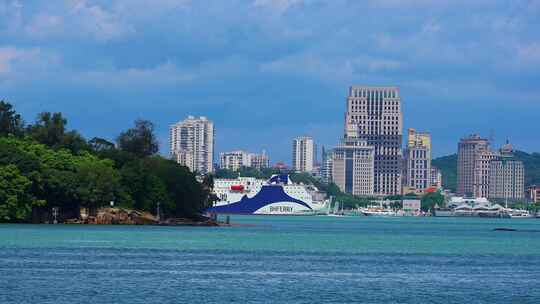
{"points": [[44, 25], [77, 18], [329, 68], [95, 20], [278, 6], [10, 56]]}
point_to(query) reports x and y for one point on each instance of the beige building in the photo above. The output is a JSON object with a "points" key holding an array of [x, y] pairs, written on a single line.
{"points": [[235, 160], [417, 162], [259, 161], [303, 154], [192, 144], [474, 158], [436, 177], [506, 176], [374, 115], [533, 194], [353, 167]]}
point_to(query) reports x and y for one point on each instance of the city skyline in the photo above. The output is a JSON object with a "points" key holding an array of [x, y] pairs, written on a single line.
{"points": [[272, 72]]}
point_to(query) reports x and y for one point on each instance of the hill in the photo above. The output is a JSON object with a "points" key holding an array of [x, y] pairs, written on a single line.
{"points": [[448, 166]]}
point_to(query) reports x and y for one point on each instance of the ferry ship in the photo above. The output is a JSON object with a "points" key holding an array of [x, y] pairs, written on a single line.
{"points": [[277, 196]]}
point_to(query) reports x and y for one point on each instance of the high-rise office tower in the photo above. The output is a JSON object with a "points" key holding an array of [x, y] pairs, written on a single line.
{"points": [[506, 176], [417, 167], [474, 158], [374, 115], [192, 144], [353, 166], [303, 156]]}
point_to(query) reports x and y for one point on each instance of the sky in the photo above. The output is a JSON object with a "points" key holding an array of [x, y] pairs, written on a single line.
{"points": [[266, 71]]}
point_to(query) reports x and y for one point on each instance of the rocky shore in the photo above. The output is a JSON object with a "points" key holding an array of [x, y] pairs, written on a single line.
{"points": [[121, 216]]}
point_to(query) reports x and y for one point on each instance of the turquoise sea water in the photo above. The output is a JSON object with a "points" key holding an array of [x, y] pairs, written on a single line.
{"points": [[275, 260]]}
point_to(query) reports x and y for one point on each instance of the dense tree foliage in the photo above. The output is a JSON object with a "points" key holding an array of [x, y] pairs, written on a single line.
{"points": [[16, 200], [48, 167], [432, 200], [139, 140], [50, 130], [10, 121]]}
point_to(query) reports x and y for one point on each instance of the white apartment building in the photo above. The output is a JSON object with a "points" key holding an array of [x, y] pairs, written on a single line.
{"points": [[303, 157], [235, 160], [192, 144]]}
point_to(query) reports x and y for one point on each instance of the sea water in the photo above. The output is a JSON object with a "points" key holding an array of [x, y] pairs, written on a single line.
{"points": [[275, 260]]}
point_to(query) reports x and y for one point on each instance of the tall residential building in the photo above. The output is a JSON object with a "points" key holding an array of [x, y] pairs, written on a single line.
{"points": [[235, 160], [506, 176], [192, 144], [326, 165], [353, 167], [474, 158], [417, 167], [374, 115], [303, 156]]}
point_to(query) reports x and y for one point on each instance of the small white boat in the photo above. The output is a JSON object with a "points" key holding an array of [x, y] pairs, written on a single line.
{"points": [[519, 213], [377, 212]]}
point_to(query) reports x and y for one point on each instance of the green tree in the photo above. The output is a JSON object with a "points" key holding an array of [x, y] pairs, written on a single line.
{"points": [[74, 142], [431, 200], [97, 183], [144, 187], [10, 121], [49, 129], [139, 140], [187, 197], [16, 201]]}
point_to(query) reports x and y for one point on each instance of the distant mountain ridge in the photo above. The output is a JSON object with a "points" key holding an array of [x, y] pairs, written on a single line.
{"points": [[448, 166]]}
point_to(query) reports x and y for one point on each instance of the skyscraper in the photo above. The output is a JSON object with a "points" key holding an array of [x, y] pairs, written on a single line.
{"points": [[192, 144], [374, 115], [353, 167], [417, 167], [474, 157], [303, 154], [506, 176]]}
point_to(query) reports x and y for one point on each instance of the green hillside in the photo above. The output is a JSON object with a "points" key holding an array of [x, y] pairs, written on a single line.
{"points": [[448, 166]]}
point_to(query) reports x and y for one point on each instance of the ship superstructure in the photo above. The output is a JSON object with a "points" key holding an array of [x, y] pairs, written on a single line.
{"points": [[276, 196]]}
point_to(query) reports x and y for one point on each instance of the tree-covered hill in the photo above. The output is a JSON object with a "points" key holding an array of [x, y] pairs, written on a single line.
{"points": [[448, 166], [45, 166]]}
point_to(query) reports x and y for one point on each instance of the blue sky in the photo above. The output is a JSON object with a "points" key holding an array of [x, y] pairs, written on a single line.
{"points": [[266, 71]]}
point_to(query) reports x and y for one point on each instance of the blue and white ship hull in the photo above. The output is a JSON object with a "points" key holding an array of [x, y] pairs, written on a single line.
{"points": [[275, 197]]}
